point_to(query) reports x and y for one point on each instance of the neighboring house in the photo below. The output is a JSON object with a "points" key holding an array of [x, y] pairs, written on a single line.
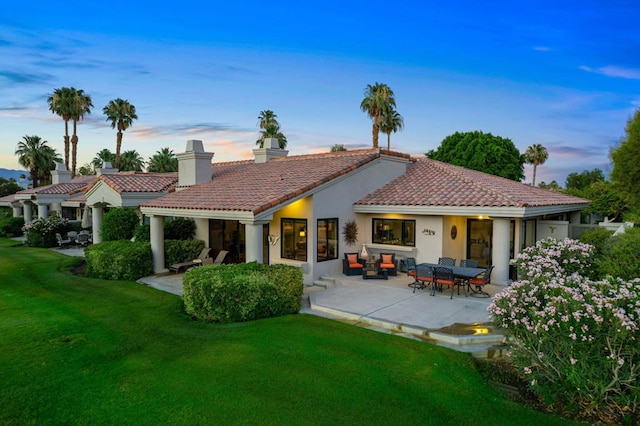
{"points": [[292, 209]]}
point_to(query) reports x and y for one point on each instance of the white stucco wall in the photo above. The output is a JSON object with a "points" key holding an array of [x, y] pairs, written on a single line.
{"points": [[558, 229]]}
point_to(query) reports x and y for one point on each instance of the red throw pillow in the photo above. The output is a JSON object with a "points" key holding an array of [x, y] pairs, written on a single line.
{"points": [[352, 258], [386, 258]]}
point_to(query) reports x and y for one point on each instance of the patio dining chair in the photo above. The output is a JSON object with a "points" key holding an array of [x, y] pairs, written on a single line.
{"points": [[424, 277], [469, 263], [447, 261], [444, 276], [411, 266], [480, 281]]}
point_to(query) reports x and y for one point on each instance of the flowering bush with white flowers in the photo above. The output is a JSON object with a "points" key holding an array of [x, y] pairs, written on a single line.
{"points": [[42, 232], [577, 341]]}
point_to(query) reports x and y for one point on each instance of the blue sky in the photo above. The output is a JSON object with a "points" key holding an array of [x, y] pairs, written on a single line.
{"points": [[566, 76]]}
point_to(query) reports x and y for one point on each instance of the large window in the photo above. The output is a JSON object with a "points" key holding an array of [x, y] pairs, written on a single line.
{"points": [[294, 239], [398, 232], [327, 239]]}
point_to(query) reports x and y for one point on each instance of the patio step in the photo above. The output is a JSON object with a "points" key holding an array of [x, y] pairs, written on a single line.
{"points": [[325, 282]]}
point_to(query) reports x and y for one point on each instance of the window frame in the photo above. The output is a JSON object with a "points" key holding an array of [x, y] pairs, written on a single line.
{"points": [[327, 241], [296, 239], [403, 239]]}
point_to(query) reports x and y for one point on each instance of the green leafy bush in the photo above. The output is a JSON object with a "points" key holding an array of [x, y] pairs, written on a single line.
{"points": [[575, 339], [242, 292], [118, 224], [621, 256], [42, 232], [142, 232], [598, 238], [11, 226], [119, 260], [176, 251], [179, 228]]}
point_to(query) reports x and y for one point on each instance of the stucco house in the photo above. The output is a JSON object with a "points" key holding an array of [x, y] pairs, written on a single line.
{"points": [[278, 208]]}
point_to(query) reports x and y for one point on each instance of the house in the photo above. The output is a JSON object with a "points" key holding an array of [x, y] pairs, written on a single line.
{"points": [[286, 209]]}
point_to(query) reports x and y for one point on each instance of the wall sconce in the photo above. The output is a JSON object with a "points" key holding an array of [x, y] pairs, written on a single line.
{"points": [[302, 233]]}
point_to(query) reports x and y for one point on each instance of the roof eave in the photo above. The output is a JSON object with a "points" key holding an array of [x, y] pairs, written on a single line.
{"points": [[521, 212]]}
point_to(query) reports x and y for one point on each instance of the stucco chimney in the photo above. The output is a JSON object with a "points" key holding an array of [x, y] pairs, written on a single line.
{"points": [[60, 174], [271, 149], [106, 169], [194, 165]]}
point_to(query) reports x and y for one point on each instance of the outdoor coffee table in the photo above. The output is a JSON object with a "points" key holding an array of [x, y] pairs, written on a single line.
{"points": [[371, 272]]}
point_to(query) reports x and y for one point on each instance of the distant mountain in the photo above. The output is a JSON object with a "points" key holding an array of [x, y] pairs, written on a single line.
{"points": [[8, 174]]}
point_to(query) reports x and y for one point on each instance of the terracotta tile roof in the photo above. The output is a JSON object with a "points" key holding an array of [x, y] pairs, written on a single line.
{"points": [[7, 199], [436, 184], [256, 187], [77, 184], [139, 182]]}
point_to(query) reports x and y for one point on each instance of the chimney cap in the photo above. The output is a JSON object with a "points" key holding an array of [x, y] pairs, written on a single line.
{"points": [[194, 145]]}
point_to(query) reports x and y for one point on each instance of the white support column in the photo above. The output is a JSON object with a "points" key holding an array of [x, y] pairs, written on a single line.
{"points": [[500, 257], [96, 222], [17, 210], [57, 207], [157, 243], [28, 213], [253, 243], [43, 211], [202, 230]]}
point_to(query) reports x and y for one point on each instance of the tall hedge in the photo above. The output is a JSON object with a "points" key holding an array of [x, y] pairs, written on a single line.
{"points": [[11, 226], [119, 260], [119, 224], [176, 251], [242, 292]]}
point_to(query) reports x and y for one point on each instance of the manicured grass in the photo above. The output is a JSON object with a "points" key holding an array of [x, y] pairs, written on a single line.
{"points": [[75, 350]]}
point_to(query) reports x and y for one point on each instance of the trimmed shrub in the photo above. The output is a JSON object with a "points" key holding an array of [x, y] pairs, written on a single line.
{"points": [[176, 251], [142, 232], [42, 232], [597, 238], [118, 224], [11, 226], [119, 260], [179, 228], [242, 292]]}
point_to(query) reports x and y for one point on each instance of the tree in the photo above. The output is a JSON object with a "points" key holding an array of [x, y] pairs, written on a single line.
{"points": [[8, 187], [552, 186], [377, 98], [481, 151], [270, 129], [583, 180], [338, 148], [103, 156], [86, 170], [36, 156], [605, 200], [391, 121], [60, 103], [163, 161], [536, 155], [121, 114], [80, 105], [626, 162], [131, 161]]}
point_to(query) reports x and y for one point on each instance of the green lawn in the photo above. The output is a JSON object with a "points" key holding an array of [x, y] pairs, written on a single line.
{"points": [[75, 350]]}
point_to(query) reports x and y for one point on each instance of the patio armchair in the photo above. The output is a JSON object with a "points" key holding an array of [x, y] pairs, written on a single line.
{"points": [[352, 264], [388, 261], [63, 242]]}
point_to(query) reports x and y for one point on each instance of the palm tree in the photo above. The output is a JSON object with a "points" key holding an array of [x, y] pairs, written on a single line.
{"points": [[60, 104], [536, 154], [391, 121], [267, 121], [36, 156], [80, 105], [163, 161], [121, 115], [267, 118], [376, 99], [103, 156], [131, 161]]}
